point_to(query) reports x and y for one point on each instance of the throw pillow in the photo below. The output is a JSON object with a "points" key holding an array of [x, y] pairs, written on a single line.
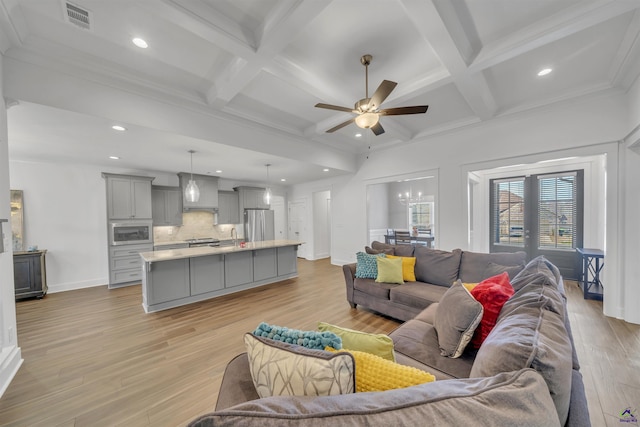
{"points": [[389, 270], [492, 293], [378, 344], [493, 269], [366, 267], [408, 267], [469, 286], [373, 373], [281, 369], [457, 317], [309, 339]]}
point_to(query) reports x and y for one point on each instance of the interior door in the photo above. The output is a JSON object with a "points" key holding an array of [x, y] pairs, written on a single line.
{"points": [[297, 225], [540, 215]]}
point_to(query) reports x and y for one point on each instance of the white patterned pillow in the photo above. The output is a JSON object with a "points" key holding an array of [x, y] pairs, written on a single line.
{"points": [[281, 369]]}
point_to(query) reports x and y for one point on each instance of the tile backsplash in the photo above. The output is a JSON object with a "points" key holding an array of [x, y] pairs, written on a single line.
{"points": [[194, 225]]}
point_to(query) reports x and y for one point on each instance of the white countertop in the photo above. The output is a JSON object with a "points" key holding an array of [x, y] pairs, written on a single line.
{"points": [[172, 254]]}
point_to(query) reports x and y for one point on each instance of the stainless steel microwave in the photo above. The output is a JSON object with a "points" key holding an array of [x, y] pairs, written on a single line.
{"points": [[130, 232]]}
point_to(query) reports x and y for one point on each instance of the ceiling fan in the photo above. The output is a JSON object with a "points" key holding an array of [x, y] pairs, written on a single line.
{"points": [[368, 109]]}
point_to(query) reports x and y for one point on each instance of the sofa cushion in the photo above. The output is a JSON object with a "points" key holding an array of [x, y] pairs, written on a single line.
{"points": [[457, 316], [373, 373], [512, 398], [492, 293], [530, 335], [416, 294], [494, 269], [378, 344], [379, 246], [408, 267], [377, 290], [418, 340], [281, 369], [404, 250], [389, 270], [372, 251], [367, 266], [474, 266], [437, 267]]}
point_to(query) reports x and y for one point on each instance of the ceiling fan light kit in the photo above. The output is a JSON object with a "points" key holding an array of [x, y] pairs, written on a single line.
{"points": [[367, 109]]}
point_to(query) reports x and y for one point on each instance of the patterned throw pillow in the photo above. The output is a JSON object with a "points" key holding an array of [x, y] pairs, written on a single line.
{"points": [[367, 267], [374, 373], [281, 369]]}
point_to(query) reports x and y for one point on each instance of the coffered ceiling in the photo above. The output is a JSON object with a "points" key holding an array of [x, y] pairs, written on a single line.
{"points": [[237, 80]]}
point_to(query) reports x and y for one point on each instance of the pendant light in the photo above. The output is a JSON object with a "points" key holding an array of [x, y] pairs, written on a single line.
{"points": [[192, 192], [267, 193]]}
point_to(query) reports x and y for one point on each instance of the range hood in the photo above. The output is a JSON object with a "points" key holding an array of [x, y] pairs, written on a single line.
{"points": [[208, 186]]}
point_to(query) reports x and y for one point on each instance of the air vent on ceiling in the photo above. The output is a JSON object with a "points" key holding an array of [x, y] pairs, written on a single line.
{"points": [[77, 16]]}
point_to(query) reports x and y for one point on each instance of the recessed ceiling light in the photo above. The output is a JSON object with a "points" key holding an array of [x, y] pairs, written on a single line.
{"points": [[282, 179], [218, 171], [544, 72], [114, 157], [140, 43], [118, 128], [325, 170], [358, 135]]}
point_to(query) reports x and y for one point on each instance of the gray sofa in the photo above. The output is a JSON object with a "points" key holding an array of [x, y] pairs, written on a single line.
{"points": [[525, 373], [435, 272]]}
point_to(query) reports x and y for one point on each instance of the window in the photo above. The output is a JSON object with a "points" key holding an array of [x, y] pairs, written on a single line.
{"points": [[421, 216], [508, 211], [557, 208]]}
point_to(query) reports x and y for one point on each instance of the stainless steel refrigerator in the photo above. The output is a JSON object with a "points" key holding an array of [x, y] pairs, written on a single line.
{"points": [[259, 225]]}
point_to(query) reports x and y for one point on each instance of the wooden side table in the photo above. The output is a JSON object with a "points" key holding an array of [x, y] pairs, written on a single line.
{"points": [[592, 263]]}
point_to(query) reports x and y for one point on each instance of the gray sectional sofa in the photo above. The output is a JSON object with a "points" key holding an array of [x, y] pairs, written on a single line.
{"points": [[525, 373], [435, 272]]}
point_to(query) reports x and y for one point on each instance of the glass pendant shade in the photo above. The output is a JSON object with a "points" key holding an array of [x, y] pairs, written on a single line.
{"points": [[192, 192], [367, 120], [267, 196]]}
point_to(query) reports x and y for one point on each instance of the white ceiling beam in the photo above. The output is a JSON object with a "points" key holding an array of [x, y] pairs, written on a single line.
{"points": [[13, 28], [427, 19], [577, 18], [282, 24]]}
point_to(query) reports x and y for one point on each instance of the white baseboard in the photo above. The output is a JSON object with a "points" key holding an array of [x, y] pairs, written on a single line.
{"points": [[340, 262], [62, 287], [10, 362]]}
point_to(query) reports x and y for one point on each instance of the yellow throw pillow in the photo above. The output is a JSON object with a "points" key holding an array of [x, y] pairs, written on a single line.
{"points": [[469, 286], [408, 267], [373, 373], [389, 270], [378, 344]]}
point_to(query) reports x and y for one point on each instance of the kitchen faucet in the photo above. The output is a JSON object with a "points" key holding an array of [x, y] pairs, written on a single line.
{"points": [[234, 236]]}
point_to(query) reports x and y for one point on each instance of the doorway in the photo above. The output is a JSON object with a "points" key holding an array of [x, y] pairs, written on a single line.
{"points": [[298, 225], [540, 214], [321, 224]]}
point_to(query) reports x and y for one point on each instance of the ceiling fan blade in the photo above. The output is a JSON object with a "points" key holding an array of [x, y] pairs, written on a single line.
{"points": [[377, 129], [335, 107], [418, 109], [341, 125], [381, 93]]}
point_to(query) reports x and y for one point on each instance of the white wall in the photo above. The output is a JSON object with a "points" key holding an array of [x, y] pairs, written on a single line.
{"points": [[586, 127], [10, 355], [321, 224]]}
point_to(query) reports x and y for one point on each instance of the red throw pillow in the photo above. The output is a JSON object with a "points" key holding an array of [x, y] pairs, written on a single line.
{"points": [[492, 293]]}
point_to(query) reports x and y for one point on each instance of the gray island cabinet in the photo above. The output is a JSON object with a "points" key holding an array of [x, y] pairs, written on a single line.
{"points": [[171, 278]]}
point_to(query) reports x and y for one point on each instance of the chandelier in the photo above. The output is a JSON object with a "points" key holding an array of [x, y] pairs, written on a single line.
{"points": [[408, 197]]}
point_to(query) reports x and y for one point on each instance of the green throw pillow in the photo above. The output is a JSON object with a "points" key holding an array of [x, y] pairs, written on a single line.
{"points": [[389, 270], [378, 344]]}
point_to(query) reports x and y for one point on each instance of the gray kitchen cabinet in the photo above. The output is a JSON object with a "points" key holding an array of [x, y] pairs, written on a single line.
{"points": [[128, 197], [125, 263], [29, 274], [287, 260], [167, 281], [207, 274], [265, 264], [238, 267], [251, 198], [228, 208], [166, 205], [208, 186]]}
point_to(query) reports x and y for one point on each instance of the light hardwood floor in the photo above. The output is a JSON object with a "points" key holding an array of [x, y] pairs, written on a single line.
{"points": [[94, 358]]}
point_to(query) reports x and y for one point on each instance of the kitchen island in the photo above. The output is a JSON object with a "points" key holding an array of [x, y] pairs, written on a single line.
{"points": [[176, 277]]}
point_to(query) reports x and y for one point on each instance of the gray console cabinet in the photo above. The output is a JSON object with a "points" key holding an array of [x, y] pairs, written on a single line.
{"points": [[128, 197], [29, 274], [207, 274], [265, 264], [166, 205]]}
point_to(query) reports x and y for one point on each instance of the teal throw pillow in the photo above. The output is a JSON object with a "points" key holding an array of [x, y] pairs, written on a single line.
{"points": [[367, 267]]}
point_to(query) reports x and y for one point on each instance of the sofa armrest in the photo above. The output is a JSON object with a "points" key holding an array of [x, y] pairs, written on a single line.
{"points": [[349, 271], [237, 385]]}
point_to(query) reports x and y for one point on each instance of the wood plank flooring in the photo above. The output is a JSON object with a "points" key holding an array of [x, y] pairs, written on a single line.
{"points": [[94, 358]]}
